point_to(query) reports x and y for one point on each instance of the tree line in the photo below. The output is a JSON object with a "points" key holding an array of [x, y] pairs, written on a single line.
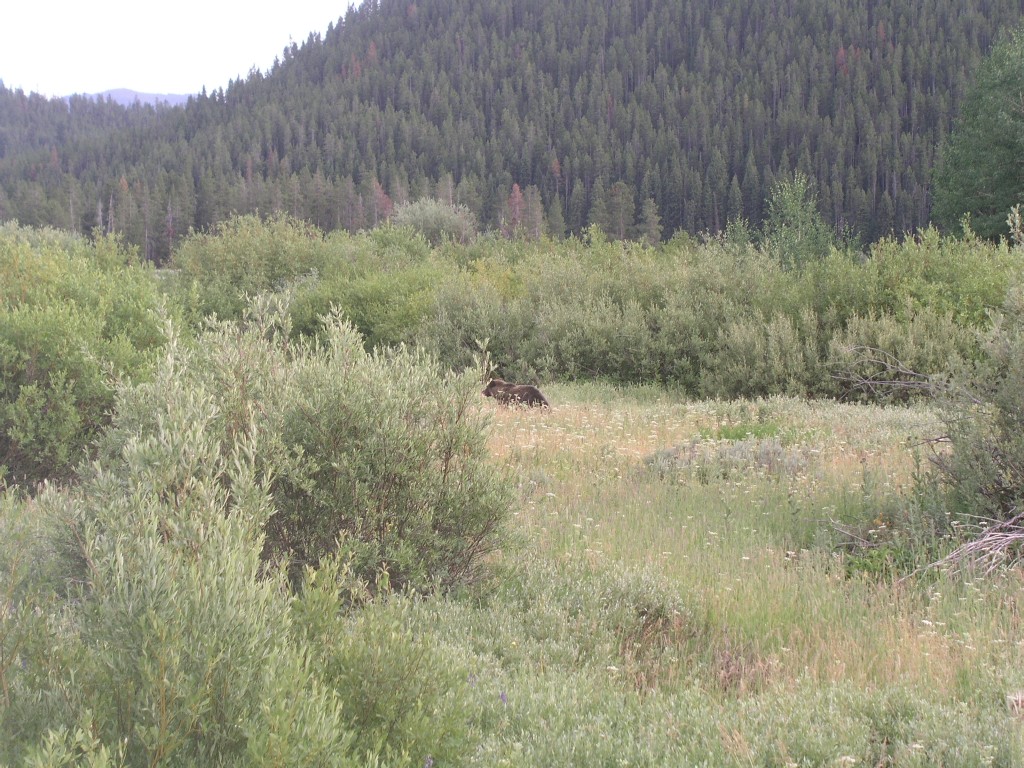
{"points": [[645, 117]]}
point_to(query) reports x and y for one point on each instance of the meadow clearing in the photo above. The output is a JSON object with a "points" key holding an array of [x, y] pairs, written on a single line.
{"points": [[322, 546], [750, 539]]}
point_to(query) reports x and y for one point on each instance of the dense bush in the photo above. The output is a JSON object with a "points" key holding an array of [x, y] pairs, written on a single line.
{"points": [[718, 317], [171, 648], [154, 619], [436, 220], [795, 234], [385, 280], [983, 412], [759, 355], [74, 315], [965, 277], [884, 354], [378, 454], [216, 273], [387, 460], [404, 696], [387, 306]]}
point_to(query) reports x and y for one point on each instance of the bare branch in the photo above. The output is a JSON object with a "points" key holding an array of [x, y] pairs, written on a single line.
{"points": [[998, 545], [890, 374]]}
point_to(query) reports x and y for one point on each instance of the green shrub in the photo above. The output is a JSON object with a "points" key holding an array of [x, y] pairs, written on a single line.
{"points": [[967, 278], [838, 287], [437, 221], [486, 304], [594, 338], [381, 454], [384, 281], [387, 307], [863, 356], [795, 234], [174, 644], [402, 693], [982, 408], [73, 317], [217, 273], [758, 358], [696, 315], [388, 454], [246, 453]]}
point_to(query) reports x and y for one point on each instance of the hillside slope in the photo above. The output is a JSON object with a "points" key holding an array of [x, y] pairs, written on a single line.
{"points": [[592, 108]]}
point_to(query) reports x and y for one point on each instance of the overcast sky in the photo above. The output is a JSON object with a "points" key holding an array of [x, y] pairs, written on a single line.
{"points": [[60, 47]]}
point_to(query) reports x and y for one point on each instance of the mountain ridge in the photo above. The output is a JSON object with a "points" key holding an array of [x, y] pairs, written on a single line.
{"points": [[595, 111]]}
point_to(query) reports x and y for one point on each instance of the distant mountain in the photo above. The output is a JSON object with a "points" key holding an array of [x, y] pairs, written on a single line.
{"points": [[127, 97], [616, 112]]}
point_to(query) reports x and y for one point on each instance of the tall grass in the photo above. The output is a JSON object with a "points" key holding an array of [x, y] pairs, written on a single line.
{"points": [[760, 626], [680, 594]]}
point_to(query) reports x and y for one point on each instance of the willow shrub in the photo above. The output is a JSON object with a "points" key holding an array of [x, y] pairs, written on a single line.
{"points": [[164, 576], [405, 694], [74, 315], [170, 648], [436, 220], [966, 277], [380, 455], [982, 408], [387, 306], [923, 342], [385, 456], [216, 273], [691, 314], [757, 355]]}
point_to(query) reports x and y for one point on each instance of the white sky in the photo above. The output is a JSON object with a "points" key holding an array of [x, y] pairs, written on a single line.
{"points": [[60, 47]]}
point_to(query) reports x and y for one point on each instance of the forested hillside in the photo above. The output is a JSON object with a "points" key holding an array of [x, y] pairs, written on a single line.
{"points": [[627, 113]]}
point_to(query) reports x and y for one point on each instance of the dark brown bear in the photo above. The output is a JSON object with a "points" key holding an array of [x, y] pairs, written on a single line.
{"points": [[515, 394]]}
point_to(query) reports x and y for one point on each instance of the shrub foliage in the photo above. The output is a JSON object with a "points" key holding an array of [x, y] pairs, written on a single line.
{"points": [[74, 316], [983, 412], [722, 317], [229, 479]]}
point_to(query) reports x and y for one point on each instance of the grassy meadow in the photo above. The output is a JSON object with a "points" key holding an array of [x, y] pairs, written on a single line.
{"points": [[685, 597], [255, 511]]}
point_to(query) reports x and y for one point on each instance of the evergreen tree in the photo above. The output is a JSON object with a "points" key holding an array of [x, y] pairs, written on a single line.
{"points": [[650, 225], [598, 205], [681, 102], [620, 212], [981, 170], [556, 221]]}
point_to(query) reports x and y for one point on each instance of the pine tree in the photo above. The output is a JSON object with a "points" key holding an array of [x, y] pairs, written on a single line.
{"points": [[556, 221], [650, 226], [598, 205], [981, 171], [620, 212], [533, 213]]}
